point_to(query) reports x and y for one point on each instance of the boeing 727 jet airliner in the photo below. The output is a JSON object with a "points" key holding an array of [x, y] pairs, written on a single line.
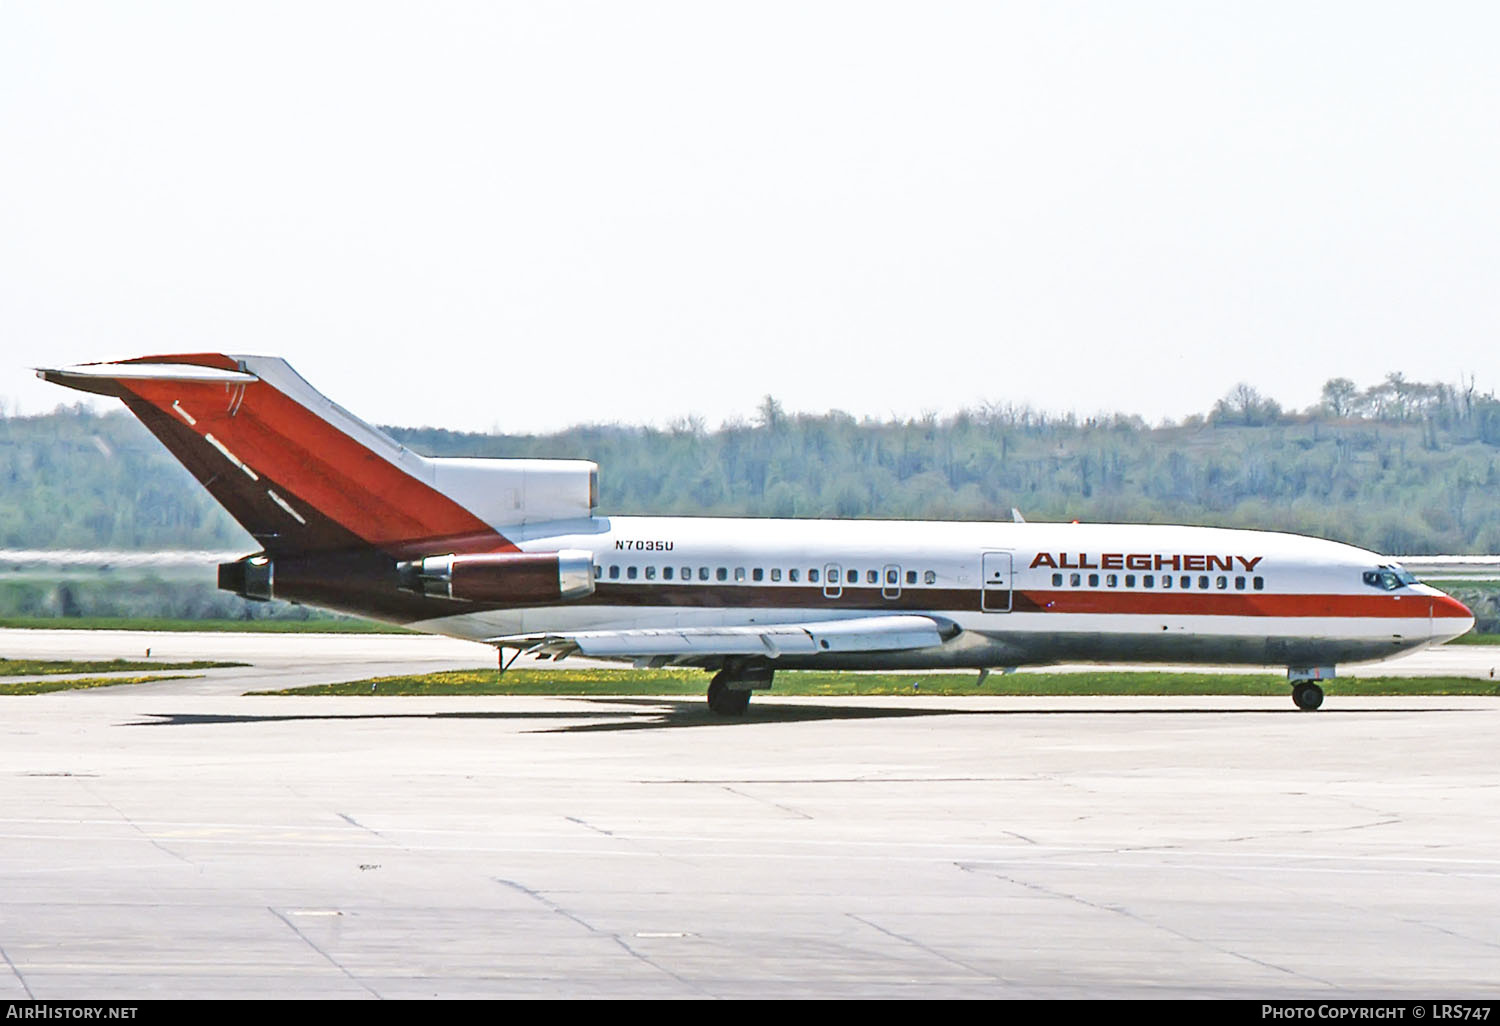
{"points": [[512, 553]]}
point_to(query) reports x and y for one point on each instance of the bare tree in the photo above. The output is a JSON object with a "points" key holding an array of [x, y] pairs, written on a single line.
{"points": [[1244, 405], [1339, 396]]}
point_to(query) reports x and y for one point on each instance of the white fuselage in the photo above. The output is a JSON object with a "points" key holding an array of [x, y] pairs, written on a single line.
{"points": [[1020, 593], [351, 519]]}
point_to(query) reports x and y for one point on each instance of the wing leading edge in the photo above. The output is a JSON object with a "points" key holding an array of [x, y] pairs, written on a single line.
{"points": [[865, 634]]}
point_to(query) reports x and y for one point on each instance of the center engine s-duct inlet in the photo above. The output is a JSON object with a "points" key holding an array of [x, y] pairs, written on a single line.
{"points": [[502, 576]]}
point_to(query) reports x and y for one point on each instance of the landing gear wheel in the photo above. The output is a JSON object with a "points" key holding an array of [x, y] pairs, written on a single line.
{"points": [[724, 700], [1308, 696]]}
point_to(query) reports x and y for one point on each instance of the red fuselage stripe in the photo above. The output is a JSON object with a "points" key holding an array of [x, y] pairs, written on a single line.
{"points": [[1131, 603], [1238, 604]]}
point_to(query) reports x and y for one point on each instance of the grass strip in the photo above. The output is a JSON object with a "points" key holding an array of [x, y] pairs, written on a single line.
{"points": [[41, 667], [126, 623], [39, 687], [1475, 638], [607, 683]]}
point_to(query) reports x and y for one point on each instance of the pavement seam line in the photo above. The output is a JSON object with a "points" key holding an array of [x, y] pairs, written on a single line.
{"points": [[553, 906], [765, 801], [930, 950], [24, 985], [331, 960], [90, 788], [1126, 913], [355, 823]]}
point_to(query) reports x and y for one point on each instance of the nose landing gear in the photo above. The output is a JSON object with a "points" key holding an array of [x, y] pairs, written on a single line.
{"points": [[1307, 695]]}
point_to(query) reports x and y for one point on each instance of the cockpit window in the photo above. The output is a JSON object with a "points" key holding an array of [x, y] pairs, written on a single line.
{"points": [[1388, 578]]}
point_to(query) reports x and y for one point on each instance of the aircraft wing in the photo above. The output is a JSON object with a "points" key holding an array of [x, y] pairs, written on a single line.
{"points": [[862, 634]]}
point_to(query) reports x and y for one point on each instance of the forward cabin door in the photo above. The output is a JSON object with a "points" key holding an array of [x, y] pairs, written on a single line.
{"points": [[994, 582]]}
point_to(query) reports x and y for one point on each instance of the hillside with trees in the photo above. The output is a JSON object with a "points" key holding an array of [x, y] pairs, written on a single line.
{"points": [[1401, 467]]}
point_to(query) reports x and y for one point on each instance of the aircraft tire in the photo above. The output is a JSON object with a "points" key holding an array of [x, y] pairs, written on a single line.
{"points": [[1307, 696], [724, 700]]}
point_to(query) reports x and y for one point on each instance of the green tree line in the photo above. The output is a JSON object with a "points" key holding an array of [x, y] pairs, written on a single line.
{"points": [[1400, 467]]}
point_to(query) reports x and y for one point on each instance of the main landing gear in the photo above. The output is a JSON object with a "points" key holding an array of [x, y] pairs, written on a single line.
{"points": [[1307, 693], [729, 691], [727, 701]]}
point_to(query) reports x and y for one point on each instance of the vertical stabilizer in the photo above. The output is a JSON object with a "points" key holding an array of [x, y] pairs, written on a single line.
{"points": [[297, 470]]}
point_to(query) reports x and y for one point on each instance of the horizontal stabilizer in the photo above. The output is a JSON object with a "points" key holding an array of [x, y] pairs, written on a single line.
{"points": [[142, 372]]}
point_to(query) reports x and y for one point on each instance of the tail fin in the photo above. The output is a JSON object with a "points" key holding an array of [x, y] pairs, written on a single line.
{"points": [[302, 474]]}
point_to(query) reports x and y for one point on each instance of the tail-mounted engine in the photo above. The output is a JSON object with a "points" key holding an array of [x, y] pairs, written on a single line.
{"points": [[508, 577], [252, 577]]}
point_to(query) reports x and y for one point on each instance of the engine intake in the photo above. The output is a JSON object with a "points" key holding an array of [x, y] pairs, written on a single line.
{"points": [[502, 576]]}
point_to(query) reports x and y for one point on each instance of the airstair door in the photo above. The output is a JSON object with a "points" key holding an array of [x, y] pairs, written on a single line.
{"points": [[994, 577]]}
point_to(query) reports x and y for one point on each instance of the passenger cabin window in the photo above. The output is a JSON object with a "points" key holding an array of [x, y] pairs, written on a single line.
{"points": [[791, 575], [852, 576], [872, 576], [1057, 580], [1074, 580], [739, 573], [1259, 584], [614, 573], [703, 573], [911, 577], [632, 572], [775, 574], [722, 573], [650, 573], [929, 577], [1093, 580], [812, 576]]}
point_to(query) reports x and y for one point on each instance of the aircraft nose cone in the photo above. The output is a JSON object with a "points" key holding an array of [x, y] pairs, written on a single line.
{"points": [[1450, 617]]}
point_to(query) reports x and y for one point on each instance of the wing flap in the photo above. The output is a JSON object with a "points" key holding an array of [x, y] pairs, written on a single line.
{"points": [[863, 634]]}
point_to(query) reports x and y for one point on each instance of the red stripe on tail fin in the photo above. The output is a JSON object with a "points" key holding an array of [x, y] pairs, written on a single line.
{"points": [[297, 471]]}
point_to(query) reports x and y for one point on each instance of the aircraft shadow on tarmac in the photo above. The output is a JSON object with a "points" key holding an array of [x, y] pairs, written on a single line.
{"points": [[607, 714]]}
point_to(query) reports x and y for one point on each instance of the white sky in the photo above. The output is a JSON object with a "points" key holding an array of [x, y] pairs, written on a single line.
{"points": [[526, 215]]}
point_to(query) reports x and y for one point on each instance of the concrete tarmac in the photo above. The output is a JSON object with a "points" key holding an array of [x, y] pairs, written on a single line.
{"points": [[159, 843]]}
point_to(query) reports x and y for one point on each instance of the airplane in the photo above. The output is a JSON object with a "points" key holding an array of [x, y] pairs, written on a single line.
{"points": [[513, 553]]}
